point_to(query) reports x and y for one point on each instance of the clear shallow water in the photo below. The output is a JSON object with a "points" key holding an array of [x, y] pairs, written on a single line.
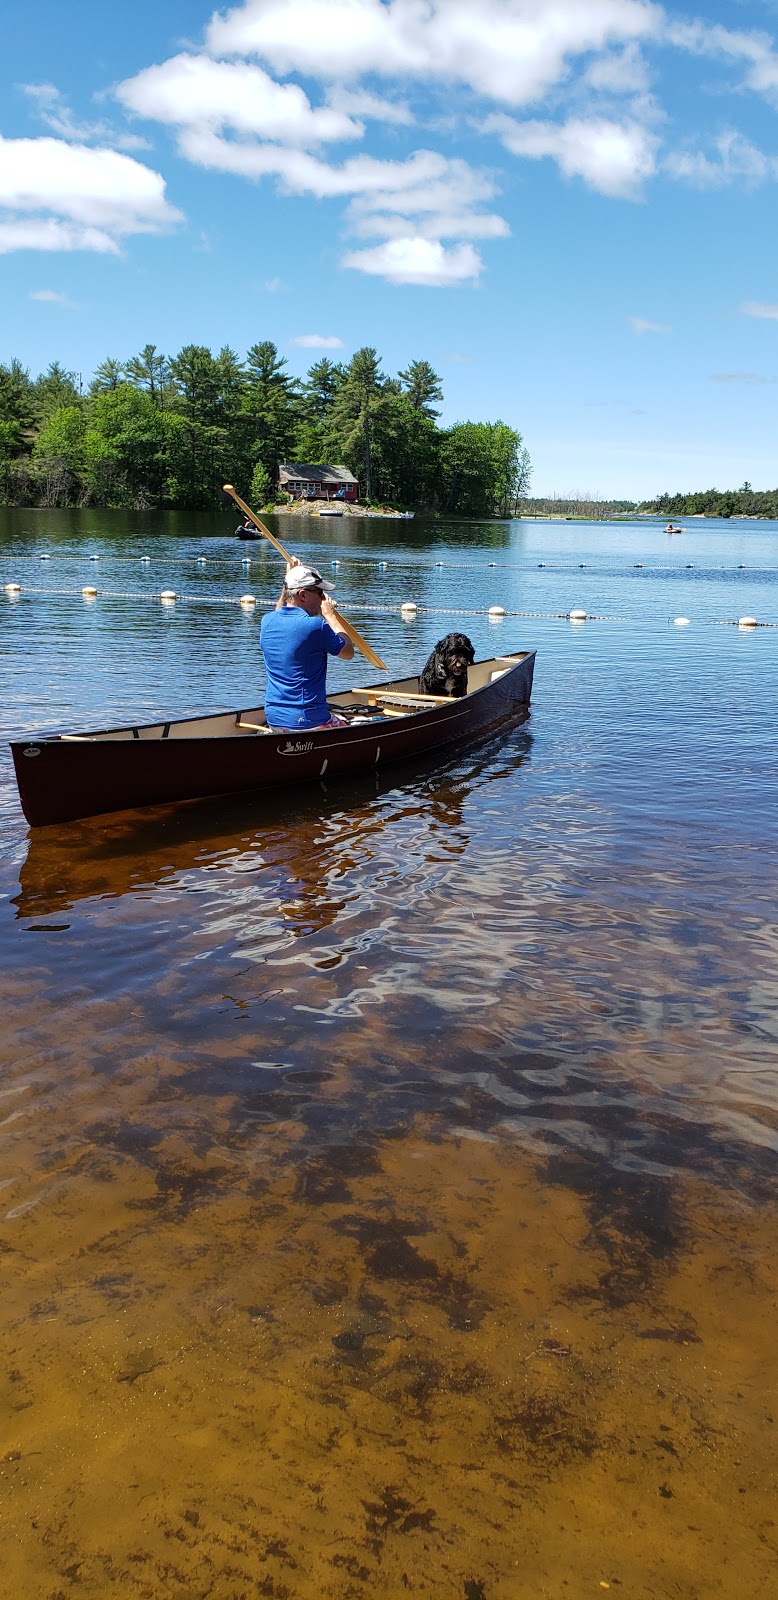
{"points": [[388, 1172]]}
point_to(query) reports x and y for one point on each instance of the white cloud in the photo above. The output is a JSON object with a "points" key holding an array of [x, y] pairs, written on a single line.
{"points": [[757, 308], [741, 377], [510, 50], [754, 49], [317, 341], [736, 160], [418, 260], [619, 72], [53, 109], [414, 203], [46, 233], [52, 297], [612, 157], [194, 91], [360, 103], [641, 325], [273, 285], [484, 58], [58, 196]]}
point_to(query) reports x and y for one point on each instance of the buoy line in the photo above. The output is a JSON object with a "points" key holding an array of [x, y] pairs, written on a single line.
{"points": [[240, 600], [409, 607], [398, 565]]}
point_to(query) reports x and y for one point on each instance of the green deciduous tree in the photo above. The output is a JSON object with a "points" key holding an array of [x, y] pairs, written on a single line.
{"points": [[60, 455], [128, 448]]}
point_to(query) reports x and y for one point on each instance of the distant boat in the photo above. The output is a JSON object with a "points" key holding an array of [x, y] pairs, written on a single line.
{"points": [[671, 528]]}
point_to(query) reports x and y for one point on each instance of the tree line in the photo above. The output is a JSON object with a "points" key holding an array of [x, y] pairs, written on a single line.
{"points": [[742, 502], [159, 431]]}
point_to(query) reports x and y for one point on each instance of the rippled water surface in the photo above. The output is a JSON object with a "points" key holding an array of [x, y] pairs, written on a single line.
{"points": [[387, 1171]]}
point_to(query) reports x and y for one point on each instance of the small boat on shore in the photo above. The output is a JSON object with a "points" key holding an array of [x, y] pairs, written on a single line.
{"points": [[62, 776]]}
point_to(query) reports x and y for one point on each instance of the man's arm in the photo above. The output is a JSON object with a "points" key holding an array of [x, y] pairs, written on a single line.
{"points": [[346, 653]]}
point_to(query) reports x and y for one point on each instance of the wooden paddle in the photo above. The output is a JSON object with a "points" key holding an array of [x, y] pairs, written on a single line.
{"points": [[356, 638]]}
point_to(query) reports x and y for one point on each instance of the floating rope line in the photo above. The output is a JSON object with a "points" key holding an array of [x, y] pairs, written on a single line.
{"points": [[226, 557], [745, 623]]}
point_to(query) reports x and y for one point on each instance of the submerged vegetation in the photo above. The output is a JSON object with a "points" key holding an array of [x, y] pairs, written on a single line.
{"points": [[158, 431]]}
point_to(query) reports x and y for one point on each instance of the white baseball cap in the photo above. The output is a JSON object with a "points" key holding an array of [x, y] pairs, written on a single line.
{"points": [[304, 578]]}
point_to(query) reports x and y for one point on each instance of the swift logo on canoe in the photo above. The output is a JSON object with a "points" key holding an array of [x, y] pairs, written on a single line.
{"points": [[32, 750], [300, 747]]}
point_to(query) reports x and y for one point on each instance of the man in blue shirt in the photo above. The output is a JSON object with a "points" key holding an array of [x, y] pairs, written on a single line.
{"points": [[296, 640]]}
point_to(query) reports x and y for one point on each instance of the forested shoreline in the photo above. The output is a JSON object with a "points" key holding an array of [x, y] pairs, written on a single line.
{"points": [[742, 502], [156, 431]]}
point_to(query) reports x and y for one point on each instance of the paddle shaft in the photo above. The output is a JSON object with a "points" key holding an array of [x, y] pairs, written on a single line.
{"points": [[350, 632]]}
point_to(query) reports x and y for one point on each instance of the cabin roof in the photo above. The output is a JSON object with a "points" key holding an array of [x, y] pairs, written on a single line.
{"points": [[304, 472]]}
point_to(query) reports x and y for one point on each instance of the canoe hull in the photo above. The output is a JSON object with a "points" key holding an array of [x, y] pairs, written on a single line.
{"points": [[61, 779]]}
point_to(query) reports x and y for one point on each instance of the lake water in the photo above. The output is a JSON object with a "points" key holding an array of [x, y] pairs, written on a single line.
{"points": [[387, 1172]]}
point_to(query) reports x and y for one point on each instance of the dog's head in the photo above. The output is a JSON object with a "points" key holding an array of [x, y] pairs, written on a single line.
{"points": [[457, 654]]}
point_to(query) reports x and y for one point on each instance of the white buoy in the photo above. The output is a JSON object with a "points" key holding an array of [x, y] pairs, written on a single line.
{"points": [[94, 558], [638, 563], [89, 591], [541, 563], [747, 622], [576, 615], [582, 563], [409, 605], [681, 622], [382, 565], [334, 564], [45, 558], [168, 596], [248, 600], [493, 563], [200, 560], [496, 611], [13, 588], [690, 566], [144, 559]]}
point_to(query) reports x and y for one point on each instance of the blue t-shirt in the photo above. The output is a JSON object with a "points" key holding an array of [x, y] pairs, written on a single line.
{"points": [[295, 647]]}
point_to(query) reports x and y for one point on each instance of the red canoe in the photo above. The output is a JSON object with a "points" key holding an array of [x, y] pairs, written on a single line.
{"points": [[68, 775]]}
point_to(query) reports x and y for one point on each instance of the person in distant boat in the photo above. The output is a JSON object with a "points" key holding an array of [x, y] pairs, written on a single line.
{"points": [[247, 531], [296, 640]]}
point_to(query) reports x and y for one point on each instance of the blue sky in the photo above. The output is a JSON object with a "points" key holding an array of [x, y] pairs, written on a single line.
{"points": [[567, 206]]}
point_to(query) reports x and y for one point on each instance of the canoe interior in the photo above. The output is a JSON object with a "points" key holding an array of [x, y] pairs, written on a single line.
{"points": [[375, 702]]}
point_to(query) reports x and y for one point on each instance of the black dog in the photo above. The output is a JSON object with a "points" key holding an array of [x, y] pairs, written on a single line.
{"points": [[446, 670]]}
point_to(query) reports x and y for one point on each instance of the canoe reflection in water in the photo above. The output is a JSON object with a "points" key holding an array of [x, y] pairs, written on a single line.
{"points": [[132, 853]]}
